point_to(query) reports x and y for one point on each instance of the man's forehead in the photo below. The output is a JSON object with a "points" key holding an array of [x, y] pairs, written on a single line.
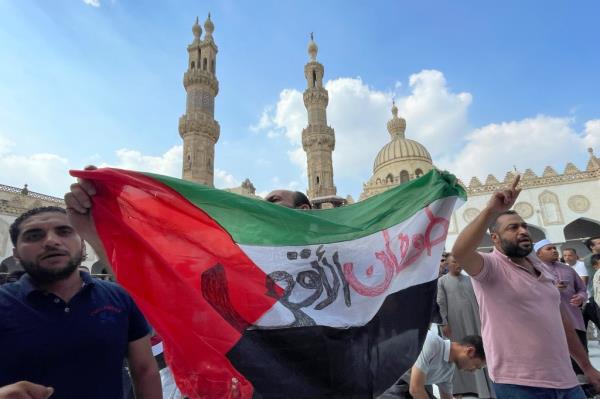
{"points": [[279, 194], [510, 219], [45, 220]]}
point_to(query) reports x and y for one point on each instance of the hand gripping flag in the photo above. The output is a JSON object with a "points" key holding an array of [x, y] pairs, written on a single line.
{"points": [[254, 300]]}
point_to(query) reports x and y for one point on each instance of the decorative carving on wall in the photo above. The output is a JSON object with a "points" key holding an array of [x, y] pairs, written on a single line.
{"points": [[550, 206], [470, 214], [525, 209], [453, 228], [578, 203]]}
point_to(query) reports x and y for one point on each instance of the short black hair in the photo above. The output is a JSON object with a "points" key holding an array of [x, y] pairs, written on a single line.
{"points": [[15, 227], [301, 199], [595, 259], [569, 249], [476, 342], [494, 224], [588, 243]]}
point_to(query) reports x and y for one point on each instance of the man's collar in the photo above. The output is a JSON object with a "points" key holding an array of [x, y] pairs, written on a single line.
{"points": [[28, 284], [532, 258], [447, 345]]}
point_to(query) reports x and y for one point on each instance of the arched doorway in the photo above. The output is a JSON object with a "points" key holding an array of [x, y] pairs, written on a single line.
{"points": [[577, 231], [536, 233], [100, 270]]}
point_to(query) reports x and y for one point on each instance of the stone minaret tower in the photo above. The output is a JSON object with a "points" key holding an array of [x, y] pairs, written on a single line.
{"points": [[318, 139], [197, 127]]}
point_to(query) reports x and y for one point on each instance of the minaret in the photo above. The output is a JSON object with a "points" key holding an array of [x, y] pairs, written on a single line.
{"points": [[197, 127], [318, 139]]}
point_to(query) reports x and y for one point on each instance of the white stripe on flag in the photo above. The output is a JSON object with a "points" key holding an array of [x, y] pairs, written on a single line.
{"points": [[309, 273]]}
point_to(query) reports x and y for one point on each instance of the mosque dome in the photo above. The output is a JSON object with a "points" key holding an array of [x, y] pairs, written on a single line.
{"points": [[400, 148]]}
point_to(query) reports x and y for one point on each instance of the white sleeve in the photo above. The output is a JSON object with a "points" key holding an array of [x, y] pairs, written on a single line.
{"points": [[580, 269]]}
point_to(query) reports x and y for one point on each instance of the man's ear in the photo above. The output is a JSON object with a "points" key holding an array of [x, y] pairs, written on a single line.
{"points": [[304, 207], [470, 352], [495, 237]]}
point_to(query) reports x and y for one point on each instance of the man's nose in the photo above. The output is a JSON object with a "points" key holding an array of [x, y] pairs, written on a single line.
{"points": [[52, 240]]}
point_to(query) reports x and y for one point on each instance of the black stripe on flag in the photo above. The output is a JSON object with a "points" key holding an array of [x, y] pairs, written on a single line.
{"points": [[325, 362]]}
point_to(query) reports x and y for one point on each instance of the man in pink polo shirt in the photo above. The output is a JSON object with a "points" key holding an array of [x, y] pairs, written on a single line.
{"points": [[527, 336]]}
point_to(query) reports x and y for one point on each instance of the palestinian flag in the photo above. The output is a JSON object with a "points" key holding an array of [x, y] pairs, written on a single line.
{"points": [[254, 300]]}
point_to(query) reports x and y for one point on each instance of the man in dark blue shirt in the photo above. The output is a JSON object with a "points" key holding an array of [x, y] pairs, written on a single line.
{"points": [[63, 329]]}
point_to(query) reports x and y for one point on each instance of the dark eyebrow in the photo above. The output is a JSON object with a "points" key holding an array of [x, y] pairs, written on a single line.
{"points": [[34, 230]]}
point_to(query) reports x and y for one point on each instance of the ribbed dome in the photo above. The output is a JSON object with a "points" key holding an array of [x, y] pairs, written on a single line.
{"points": [[400, 149]]}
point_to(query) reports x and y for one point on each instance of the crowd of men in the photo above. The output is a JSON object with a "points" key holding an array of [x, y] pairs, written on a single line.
{"points": [[518, 310]]}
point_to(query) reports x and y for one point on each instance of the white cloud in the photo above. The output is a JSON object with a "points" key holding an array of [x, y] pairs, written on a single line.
{"points": [[43, 173], [169, 163], [592, 133], [529, 143], [435, 116], [224, 179], [93, 3], [359, 115]]}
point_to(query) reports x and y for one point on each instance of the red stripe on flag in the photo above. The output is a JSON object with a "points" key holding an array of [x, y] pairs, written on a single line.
{"points": [[159, 245]]}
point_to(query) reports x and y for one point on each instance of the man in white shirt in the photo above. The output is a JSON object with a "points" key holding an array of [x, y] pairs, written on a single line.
{"points": [[436, 364], [571, 259]]}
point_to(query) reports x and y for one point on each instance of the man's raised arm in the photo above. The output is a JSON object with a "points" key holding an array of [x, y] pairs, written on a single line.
{"points": [[79, 204], [465, 247]]}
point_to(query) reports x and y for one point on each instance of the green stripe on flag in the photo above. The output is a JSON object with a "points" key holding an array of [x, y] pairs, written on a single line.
{"points": [[257, 222]]}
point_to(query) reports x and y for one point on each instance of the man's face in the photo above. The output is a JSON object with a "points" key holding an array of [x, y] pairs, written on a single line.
{"points": [[467, 360], [596, 245], [453, 266], [282, 197], [48, 247], [548, 253], [570, 257], [512, 237]]}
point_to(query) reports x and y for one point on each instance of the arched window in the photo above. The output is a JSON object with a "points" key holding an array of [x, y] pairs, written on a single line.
{"points": [[389, 178], [404, 177], [204, 64], [314, 78], [212, 66], [418, 173], [193, 64], [317, 179]]}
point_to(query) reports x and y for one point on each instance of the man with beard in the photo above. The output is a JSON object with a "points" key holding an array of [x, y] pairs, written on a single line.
{"points": [[526, 334], [573, 293], [62, 329]]}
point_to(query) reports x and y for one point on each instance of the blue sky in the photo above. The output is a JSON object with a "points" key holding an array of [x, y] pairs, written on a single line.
{"points": [[483, 86]]}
